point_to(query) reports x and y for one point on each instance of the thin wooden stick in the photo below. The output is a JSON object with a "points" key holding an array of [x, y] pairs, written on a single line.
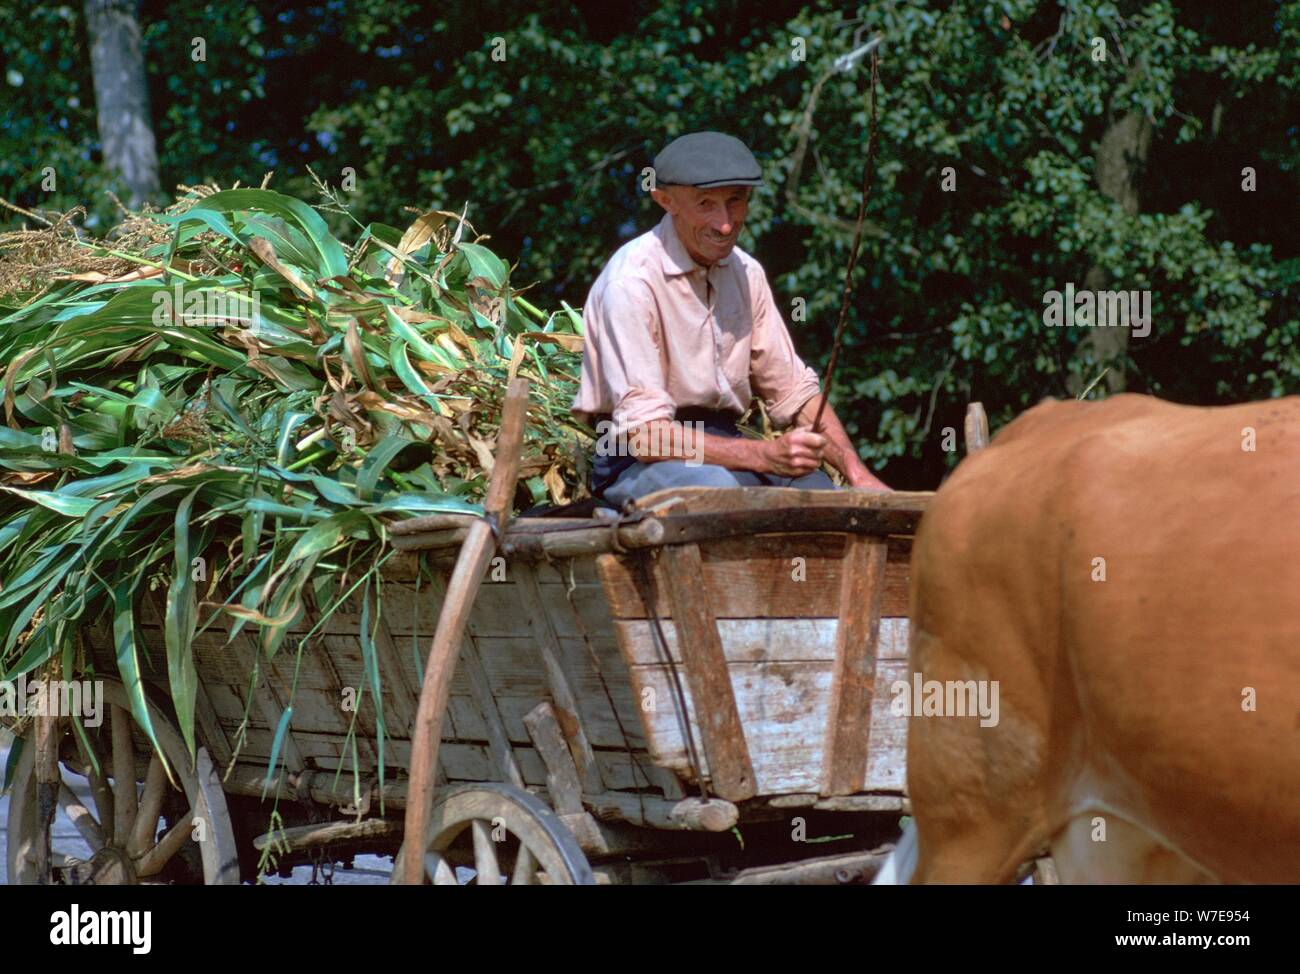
{"points": [[847, 295], [124, 795], [977, 427], [485, 856], [99, 787], [473, 561], [48, 779], [156, 858], [79, 815], [146, 819]]}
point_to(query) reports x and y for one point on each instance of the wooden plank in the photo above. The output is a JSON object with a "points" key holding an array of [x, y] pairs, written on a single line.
{"points": [[537, 545], [266, 699], [485, 707], [318, 711], [704, 500], [578, 571], [772, 576], [783, 707], [650, 811], [333, 647], [211, 732], [562, 781], [849, 867], [496, 610], [565, 701], [483, 699], [228, 706], [460, 761], [848, 719], [679, 528], [723, 735], [761, 640], [399, 691]]}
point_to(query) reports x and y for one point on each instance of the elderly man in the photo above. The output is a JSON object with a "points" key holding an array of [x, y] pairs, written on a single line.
{"points": [[681, 329]]}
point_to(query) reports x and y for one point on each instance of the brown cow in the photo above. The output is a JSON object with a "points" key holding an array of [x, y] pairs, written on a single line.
{"points": [[1149, 723]]}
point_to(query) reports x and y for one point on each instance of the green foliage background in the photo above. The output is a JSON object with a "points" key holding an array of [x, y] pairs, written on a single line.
{"points": [[547, 145]]}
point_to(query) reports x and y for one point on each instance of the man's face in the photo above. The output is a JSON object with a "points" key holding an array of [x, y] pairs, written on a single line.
{"points": [[708, 221]]}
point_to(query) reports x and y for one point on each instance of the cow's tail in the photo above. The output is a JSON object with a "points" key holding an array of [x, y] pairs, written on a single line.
{"points": [[898, 868]]}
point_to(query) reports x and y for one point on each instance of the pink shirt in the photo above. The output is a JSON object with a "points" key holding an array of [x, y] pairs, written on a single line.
{"points": [[663, 332]]}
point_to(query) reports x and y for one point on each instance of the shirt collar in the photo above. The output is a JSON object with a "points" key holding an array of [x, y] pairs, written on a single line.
{"points": [[675, 258]]}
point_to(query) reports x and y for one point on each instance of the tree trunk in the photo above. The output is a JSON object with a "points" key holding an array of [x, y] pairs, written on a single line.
{"points": [[122, 95], [1121, 156]]}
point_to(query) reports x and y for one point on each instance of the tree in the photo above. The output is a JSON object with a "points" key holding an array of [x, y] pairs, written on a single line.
{"points": [[121, 95], [1011, 161]]}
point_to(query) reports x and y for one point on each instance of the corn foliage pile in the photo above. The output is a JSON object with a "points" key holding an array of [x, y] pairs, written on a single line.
{"points": [[226, 383]]}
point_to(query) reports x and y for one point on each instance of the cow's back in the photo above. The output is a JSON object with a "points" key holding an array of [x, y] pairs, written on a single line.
{"points": [[1131, 577]]}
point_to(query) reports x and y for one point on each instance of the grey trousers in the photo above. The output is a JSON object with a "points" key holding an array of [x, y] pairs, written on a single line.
{"points": [[645, 478]]}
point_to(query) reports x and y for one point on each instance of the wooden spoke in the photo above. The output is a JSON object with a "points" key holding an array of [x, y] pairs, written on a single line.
{"points": [[439, 870], [525, 870], [81, 818], [145, 828], [485, 854], [124, 794], [99, 785], [152, 862]]}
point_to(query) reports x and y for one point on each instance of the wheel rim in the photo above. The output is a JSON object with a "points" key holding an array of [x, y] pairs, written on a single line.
{"points": [[134, 832], [507, 836]]}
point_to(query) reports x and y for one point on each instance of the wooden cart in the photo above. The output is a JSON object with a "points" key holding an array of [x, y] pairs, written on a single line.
{"points": [[699, 692]]}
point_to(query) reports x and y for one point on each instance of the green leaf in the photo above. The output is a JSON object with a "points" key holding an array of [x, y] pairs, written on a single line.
{"points": [[370, 658], [324, 537], [55, 501], [128, 662], [483, 263], [284, 441], [377, 461], [11, 765], [430, 353], [402, 367], [179, 625], [280, 730], [331, 260]]}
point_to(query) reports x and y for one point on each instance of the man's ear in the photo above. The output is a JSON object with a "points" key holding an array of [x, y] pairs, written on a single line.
{"points": [[665, 199]]}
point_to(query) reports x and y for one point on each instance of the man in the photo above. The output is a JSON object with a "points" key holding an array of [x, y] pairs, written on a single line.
{"points": [[681, 328]]}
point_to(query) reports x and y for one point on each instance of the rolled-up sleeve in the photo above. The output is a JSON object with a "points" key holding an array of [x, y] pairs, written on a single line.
{"points": [[777, 373], [624, 351]]}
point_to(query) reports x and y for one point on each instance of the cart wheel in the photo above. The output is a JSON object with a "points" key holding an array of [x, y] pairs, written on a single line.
{"points": [[135, 835], [513, 839]]}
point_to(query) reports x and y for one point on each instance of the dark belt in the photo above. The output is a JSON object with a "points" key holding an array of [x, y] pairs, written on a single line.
{"points": [[606, 468]]}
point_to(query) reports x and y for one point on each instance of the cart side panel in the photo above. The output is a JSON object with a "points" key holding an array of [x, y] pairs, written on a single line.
{"points": [[776, 599], [330, 672]]}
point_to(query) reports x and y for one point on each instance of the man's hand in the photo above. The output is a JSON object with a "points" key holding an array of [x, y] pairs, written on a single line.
{"points": [[839, 452], [795, 453]]}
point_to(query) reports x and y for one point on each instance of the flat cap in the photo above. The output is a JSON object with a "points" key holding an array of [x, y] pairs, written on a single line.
{"points": [[707, 159]]}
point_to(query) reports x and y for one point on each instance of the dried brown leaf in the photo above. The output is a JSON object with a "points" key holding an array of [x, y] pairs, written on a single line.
{"points": [[266, 254]]}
